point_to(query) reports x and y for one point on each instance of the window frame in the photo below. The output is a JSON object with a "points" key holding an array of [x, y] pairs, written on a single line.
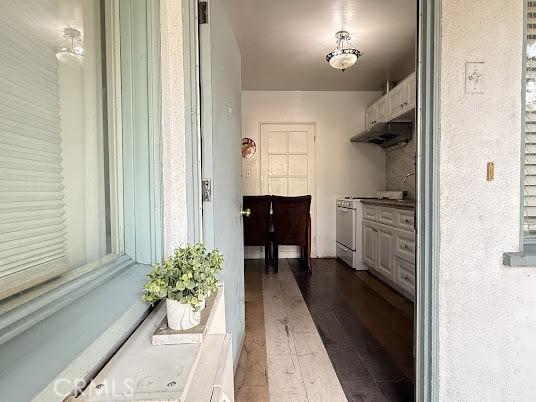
{"points": [[525, 239], [526, 256], [127, 19]]}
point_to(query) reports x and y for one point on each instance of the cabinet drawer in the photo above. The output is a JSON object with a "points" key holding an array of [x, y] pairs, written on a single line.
{"points": [[386, 215], [405, 219], [345, 254], [370, 212], [404, 274], [405, 246]]}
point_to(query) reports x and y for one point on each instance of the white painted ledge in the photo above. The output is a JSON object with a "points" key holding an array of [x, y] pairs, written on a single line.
{"points": [[141, 371], [74, 342]]}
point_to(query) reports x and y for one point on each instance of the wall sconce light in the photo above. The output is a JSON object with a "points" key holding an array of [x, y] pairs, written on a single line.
{"points": [[71, 51]]}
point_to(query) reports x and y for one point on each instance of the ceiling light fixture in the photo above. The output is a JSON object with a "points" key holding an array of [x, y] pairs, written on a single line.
{"points": [[71, 51], [345, 55]]}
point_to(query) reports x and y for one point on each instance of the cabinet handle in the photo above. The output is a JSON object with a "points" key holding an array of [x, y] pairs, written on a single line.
{"points": [[405, 246]]}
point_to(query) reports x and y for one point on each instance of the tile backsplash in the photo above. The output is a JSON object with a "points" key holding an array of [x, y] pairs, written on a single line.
{"points": [[398, 163]]}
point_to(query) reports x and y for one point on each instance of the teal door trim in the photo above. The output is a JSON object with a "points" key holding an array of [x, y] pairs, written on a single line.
{"points": [[426, 306], [206, 124], [192, 120], [141, 110]]}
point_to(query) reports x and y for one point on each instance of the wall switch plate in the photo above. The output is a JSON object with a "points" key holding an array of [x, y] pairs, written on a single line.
{"points": [[490, 171], [474, 78]]}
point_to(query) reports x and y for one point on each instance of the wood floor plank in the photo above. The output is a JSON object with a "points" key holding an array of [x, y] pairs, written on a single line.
{"points": [[251, 382], [366, 327], [320, 379], [285, 378], [299, 367]]}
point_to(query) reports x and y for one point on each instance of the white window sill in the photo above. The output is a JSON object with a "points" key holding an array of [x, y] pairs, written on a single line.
{"points": [[168, 372], [75, 341]]}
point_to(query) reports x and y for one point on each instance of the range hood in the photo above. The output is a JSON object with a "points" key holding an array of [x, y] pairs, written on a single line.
{"points": [[386, 134]]}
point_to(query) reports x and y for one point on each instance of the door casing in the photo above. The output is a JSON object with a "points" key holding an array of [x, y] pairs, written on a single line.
{"points": [[426, 305], [426, 343]]}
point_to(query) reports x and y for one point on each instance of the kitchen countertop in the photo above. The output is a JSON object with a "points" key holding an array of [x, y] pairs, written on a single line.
{"points": [[400, 204]]}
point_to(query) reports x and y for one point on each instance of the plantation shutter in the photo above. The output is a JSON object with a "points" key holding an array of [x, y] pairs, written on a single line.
{"points": [[32, 231]]}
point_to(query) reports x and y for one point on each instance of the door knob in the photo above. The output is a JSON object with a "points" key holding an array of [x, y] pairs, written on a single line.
{"points": [[245, 212]]}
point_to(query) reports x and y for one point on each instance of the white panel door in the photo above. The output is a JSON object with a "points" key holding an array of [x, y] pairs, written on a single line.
{"points": [[288, 163]]}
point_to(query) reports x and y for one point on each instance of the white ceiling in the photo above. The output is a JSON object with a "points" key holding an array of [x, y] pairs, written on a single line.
{"points": [[284, 42]]}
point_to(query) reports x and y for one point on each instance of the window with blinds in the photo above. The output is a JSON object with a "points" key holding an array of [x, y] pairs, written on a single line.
{"points": [[54, 201], [529, 188]]}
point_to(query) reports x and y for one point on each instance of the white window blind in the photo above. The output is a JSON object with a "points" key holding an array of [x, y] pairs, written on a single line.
{"points": [[32, 229]]}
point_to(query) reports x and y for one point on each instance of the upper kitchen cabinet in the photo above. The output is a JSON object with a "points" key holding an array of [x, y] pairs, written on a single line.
{"points": [[376, 113], [401, 99], [370, 116], [381, 110], [396, 99], [389, 120]]}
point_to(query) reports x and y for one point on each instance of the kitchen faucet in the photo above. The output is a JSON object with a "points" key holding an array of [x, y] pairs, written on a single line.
{"points": [[408, 176]]}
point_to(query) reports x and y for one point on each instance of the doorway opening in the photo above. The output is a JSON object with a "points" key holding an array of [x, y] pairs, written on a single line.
{"points": [[366, 300]]}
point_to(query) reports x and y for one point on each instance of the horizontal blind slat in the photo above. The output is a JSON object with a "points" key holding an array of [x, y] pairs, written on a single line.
{"points": [[32, 258], [30, 233], [6, 228]]}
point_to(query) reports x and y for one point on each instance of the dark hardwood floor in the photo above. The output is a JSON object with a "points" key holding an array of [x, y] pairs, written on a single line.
{"points": [[366, 327]]}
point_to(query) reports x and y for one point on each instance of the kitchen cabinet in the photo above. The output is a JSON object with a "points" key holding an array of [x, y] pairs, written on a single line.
{"points": [[396, 103], [370, 115], [410, 85], [370, 243], [381, 110], [389, 246], [401, 99], [384, 263], [376, 113]]}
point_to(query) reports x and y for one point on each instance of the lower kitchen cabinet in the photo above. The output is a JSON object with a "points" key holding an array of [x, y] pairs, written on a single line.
{"points": [[389, 247], [369, 244], [385, 251]]}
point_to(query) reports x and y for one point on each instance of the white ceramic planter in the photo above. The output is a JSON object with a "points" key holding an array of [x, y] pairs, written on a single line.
{"points": [[181, 316]]}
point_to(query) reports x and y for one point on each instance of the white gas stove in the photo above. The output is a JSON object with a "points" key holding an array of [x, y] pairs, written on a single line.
{"points": [[349, 219]]}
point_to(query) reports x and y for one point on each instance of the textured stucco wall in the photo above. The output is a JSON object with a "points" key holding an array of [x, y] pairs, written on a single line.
{"points": [[487, 312], [173, 126]]}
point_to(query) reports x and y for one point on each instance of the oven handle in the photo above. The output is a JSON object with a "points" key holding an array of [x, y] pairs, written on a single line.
{"points": [[344, 210]]}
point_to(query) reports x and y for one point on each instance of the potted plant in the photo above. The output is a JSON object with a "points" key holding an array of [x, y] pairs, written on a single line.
{"points": [[184, 280]]}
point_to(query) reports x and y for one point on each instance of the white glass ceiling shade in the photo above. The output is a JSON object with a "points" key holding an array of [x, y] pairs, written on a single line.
{"points": [[343, 57], [71, 51]]}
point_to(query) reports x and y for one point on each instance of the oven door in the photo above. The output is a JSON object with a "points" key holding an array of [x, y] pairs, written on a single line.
{"points": [[345, 227]]}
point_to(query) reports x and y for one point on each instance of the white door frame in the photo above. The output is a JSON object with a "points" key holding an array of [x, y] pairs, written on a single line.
{"points": [[314, 216]]}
